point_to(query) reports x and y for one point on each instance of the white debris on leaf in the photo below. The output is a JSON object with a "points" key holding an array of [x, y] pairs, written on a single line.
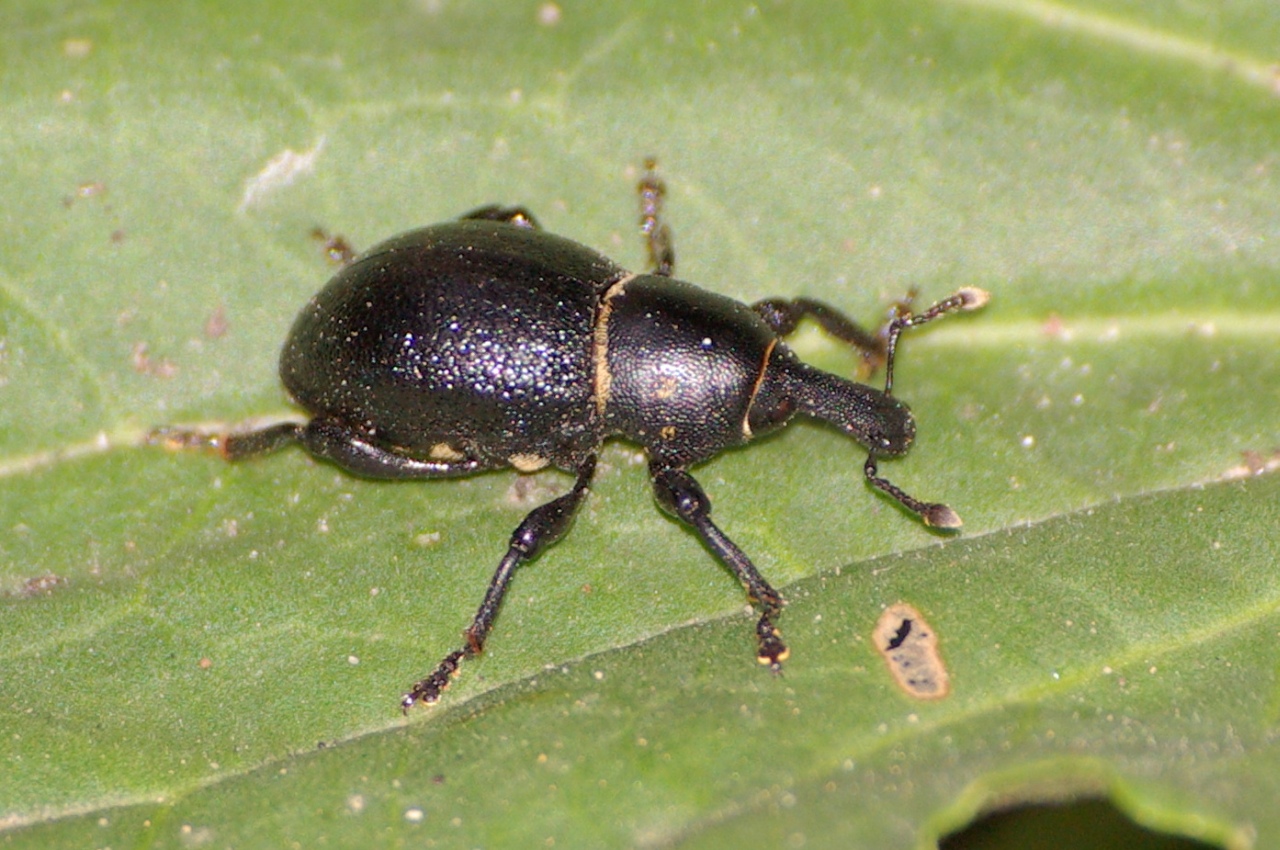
{"points": [[281, 170]]}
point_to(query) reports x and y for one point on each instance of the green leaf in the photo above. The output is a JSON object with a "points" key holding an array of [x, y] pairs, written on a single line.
{"points": [[194, 653]]}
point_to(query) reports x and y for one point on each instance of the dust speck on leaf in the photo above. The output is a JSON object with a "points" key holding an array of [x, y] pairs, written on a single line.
{"points": [[549, 14], [1253, 463], [85, 191], [216, 325], [145, 364], [77, 48], [526, 490], [40, 585]]}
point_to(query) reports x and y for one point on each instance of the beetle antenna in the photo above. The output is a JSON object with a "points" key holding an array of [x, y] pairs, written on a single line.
{"points": [[933, 514], [969, 298]]}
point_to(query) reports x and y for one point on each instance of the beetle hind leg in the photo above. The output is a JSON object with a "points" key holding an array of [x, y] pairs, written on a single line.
{"points": [[680, 495], [543, 526], [232, 445], [323, 438]]}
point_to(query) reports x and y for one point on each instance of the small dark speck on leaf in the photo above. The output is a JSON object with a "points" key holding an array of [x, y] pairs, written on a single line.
{"points": [[900, 635], [40, 585]]}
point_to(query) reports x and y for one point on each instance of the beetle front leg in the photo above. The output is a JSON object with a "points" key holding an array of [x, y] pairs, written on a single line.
{"points": [[783, 316], [543, 526], [681, 496]]}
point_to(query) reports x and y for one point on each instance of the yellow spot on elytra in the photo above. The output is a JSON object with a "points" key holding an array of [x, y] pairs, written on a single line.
{"points": [[528, 462], [444, 451]]}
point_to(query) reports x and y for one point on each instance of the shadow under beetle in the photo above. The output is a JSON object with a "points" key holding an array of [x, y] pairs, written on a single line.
{"points": [[487, 342]]}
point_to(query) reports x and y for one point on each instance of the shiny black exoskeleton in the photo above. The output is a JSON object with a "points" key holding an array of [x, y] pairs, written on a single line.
{"points": [[486, 343]]}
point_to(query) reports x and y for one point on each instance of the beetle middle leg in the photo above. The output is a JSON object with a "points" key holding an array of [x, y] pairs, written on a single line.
{"points": [[657, 236], [680, 495], [336, 248], [543, 526]]}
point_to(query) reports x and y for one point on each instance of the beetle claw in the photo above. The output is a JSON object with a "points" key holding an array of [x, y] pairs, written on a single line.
{"points": [[772, 650]]}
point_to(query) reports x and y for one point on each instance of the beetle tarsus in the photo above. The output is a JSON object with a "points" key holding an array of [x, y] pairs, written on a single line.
{"points": [[428, 691], [337, 250], [232, 445]]}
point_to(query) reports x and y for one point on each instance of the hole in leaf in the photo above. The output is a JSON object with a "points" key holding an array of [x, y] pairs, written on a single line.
{"points": [[1082, 825]]}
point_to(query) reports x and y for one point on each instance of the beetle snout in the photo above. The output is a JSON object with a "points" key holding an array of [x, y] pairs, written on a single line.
{"points": [[892, 429], [876, 420]]}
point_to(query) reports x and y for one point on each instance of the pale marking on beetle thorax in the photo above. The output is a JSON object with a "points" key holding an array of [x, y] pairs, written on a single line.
{"points": [[667, 387], [601, 378], [755, 389]]}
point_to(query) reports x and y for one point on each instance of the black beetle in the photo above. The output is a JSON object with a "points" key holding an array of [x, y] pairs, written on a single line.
{"points": [[487, 342]]}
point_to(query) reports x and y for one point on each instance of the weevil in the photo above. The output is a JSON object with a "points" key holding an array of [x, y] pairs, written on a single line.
{"points": [[488, 342]]}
